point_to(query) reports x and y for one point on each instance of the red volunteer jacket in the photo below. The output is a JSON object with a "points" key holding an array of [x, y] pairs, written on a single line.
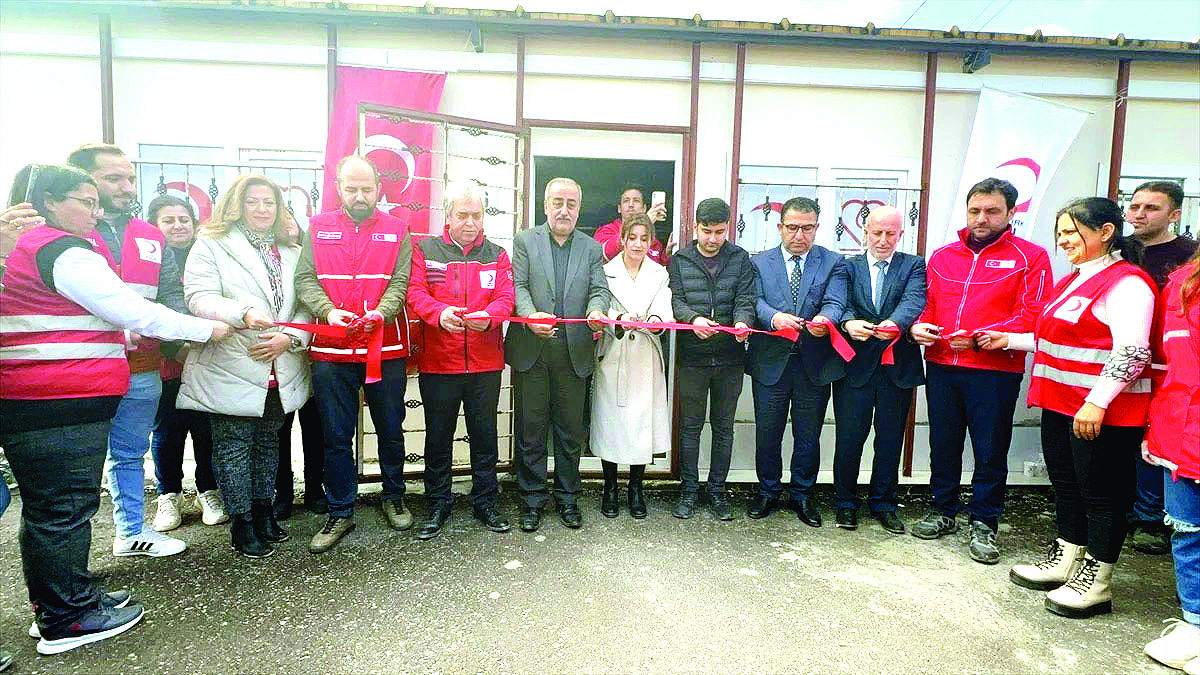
{"points": [[141, 257], [1003, 287], [479, 278], [50, 347], [609, 236], [1073, 346], [1173, 439], [354, 265]]}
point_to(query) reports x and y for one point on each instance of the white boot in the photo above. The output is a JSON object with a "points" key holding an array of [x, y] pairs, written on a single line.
{"points": [[166, 517], [212, 507], [1062, 560], [1087, 593]]}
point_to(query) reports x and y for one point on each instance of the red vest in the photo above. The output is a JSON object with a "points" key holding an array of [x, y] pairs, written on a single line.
{"points": [[50, 347], [1073, 346], [141, 258], [354, 265]]}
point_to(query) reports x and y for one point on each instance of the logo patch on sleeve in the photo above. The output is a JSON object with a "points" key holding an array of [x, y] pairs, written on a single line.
{"points": [[384, 236], [149, 250], [487, 278], [1000, 264]]}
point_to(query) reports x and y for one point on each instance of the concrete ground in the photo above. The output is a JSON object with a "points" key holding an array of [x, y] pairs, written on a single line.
{"points": [[619, 596]]}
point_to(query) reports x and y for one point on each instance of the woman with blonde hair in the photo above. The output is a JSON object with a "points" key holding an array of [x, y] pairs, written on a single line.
{"points": [[631, 415], [240, 270]]}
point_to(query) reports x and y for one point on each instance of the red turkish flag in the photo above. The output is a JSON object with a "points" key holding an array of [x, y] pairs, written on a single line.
{"points": [[399, 151]]}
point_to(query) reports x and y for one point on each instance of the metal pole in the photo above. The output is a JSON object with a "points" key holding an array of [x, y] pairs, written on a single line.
{"points": [[739, 86], [107, 118], [1118, 135], [331, 65]]}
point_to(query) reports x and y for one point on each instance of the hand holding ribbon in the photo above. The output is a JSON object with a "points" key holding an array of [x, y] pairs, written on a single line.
{"points": [[359, 332]]}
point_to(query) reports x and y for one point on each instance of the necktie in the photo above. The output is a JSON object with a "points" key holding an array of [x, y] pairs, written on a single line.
{"points": [[882, 265], [794, 281]]}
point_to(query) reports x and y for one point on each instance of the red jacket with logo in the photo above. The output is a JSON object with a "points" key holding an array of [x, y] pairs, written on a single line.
{"points": [[1173, 439], [141, 257], [354, 263], [609, 236], [478, 277], [1003, 288], [1073, 347], [50, 347]]}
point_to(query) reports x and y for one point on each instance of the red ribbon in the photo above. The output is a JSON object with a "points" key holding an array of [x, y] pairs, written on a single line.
{"points": [[840, 345], [359, 333], [786, 333]]}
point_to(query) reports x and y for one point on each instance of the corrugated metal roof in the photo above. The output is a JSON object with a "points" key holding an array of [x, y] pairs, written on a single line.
{"points": [[641, 27]]}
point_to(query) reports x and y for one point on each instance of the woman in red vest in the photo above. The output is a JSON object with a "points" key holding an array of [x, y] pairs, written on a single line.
{"points": [[1091, 345], [63, 371], [1173, 442]]}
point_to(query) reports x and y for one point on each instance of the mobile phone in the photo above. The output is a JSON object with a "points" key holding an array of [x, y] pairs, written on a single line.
{"points": [[34, 170], [658, 197]]}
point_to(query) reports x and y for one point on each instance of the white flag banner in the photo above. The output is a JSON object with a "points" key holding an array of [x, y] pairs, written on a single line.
{"points": [[1021, 139]]}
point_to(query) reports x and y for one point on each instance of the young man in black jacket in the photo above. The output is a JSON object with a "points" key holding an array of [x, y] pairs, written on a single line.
{"points": [[712, 283]]}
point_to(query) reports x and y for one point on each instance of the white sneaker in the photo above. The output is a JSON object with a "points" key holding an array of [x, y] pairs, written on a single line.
{"points": [[1177, 646], [148, 543], [167, 518], [212, 508]]}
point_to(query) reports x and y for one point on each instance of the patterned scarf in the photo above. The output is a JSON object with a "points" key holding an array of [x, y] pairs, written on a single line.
{"points": [[269, 253]]}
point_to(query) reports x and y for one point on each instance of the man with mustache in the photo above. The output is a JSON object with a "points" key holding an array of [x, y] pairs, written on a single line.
{"points": [[355, 264], [147, 265], [557, 272]]}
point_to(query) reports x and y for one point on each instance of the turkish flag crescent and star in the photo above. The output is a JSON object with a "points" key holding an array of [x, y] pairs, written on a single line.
{"points": [[388, 142]]}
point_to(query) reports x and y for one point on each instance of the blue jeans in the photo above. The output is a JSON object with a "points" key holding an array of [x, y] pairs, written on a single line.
{"points": [[1148, 497], [128, 442], [337, 386], [983, 402], [1182, 498]]}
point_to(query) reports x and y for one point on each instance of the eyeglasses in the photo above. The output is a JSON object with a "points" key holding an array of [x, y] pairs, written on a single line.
{"points": [[807, 229], [88, 203]]}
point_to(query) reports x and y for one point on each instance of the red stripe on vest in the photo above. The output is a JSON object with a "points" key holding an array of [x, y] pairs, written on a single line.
{"points": [[1071, 322], [33, 316], [354, 264]]}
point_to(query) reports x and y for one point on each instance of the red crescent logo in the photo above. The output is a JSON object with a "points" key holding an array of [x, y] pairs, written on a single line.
{"points": [[1034, 168], [200, 197]]}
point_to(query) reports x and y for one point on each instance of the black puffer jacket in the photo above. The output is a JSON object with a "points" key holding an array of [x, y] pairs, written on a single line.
{"points": [[725, 297]]}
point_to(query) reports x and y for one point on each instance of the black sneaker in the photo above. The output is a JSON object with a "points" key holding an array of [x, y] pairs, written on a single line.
{"points": [[686, 506], [116, 599], [96, 625], [934, 525], [983, 544], [1150, 538], [719, 506]]}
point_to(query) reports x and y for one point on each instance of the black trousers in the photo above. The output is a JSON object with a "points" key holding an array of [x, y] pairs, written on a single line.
{"points": [[714, 390], [58, 471], [550, 399], [853, 408], [1093, 483], [479, 396], [313, 440]]}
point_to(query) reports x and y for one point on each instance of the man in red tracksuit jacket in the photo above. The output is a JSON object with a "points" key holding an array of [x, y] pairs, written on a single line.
{"points": [[989, 279], [455, 278], [633, 200]]}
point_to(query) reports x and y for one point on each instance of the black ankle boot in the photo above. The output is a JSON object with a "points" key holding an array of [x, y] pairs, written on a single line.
{"points": [[608, 500], [265, 525], [245, 540], [282, 507], [637, 501]]}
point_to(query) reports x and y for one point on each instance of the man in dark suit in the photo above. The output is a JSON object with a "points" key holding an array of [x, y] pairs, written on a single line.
{"points": [[886, 294], [795, 282], [557, 272]]}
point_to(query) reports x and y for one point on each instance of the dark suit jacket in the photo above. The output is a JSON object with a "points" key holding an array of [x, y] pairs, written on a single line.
{"points": [[535, 286], [903, 302], [823, 291]]}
